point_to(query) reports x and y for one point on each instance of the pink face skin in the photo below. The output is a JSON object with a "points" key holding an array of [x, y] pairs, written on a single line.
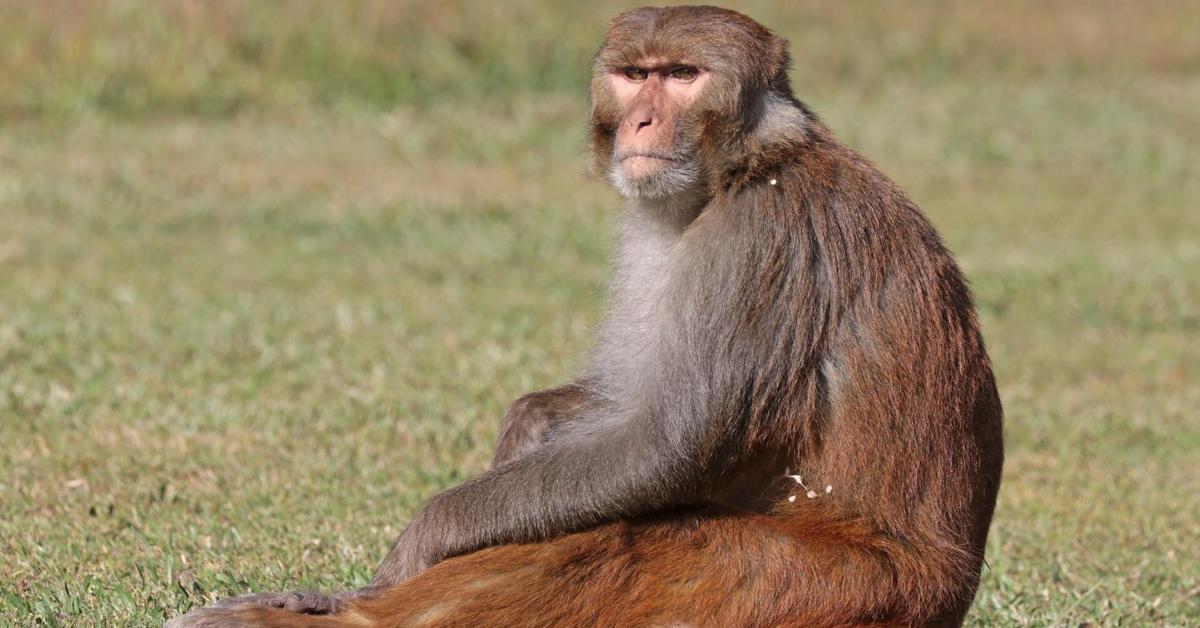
{"points": [[653, 93]]}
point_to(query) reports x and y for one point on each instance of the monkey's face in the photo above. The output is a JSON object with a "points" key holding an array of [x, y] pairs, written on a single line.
{"points": [[674, 92], [654, 155]]}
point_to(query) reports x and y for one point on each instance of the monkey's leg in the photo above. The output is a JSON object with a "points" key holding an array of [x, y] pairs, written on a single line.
{"points": [[529, 419], [804, 568]]}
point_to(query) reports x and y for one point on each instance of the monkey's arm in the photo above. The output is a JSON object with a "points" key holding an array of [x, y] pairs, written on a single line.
{"points": [[530, 419], [605, 468]]}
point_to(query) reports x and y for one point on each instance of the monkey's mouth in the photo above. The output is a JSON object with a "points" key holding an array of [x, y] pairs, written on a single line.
{"points": [[652, 173], [648, 154]]}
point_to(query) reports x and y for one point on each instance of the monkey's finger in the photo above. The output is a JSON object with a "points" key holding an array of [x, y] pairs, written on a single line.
{"points": [[311, 602]]}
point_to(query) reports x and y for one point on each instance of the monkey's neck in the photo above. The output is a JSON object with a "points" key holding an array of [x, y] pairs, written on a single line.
{"points": [[675, 212], [783, 128]]}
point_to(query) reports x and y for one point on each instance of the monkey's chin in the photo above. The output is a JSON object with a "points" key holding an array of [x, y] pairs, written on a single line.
{"points": [[662, 183]]}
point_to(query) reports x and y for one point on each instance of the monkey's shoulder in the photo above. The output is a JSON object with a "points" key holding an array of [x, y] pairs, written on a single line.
{"points": [[831, 206]]}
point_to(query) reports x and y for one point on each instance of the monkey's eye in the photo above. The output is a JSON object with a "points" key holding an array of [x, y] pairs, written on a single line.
{"points": [[635, 74], [685, 73]]}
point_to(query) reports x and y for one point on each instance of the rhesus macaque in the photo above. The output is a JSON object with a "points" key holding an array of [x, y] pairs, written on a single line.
{"points": [[788, 417]]}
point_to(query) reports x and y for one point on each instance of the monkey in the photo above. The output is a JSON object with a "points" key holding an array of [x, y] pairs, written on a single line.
{"points": [[788, 416]]}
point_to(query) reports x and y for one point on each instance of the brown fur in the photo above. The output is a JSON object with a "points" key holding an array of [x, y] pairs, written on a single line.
{"points": [[802, 315]]}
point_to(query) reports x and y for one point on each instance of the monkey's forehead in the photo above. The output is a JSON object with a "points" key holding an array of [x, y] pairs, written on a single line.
{"points": [[710, 37]]}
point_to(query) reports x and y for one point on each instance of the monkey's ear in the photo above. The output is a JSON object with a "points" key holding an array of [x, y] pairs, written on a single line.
{"points": [[781, 62]]}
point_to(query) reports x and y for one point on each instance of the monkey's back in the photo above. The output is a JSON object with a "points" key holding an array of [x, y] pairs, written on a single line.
{"points": [[905, 424]]}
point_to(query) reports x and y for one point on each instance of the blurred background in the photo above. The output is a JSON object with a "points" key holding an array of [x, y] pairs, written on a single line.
{"points": [[270, 273]]}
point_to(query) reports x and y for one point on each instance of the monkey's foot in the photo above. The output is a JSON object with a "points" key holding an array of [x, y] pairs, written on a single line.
{"points": [[232, 612], [308, 602]]}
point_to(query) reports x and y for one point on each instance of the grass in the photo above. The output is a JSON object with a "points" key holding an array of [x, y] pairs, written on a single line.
{"points": [[270, 273]]}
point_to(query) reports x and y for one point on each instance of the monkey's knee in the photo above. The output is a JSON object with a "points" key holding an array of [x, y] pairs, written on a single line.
{"points": [[524, 428]]}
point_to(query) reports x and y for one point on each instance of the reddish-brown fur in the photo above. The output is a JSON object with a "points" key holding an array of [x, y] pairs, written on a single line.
{"points": [[851, 342]]}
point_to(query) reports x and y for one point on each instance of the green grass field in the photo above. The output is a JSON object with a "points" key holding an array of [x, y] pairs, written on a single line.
{"points": [[270, 273]]}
